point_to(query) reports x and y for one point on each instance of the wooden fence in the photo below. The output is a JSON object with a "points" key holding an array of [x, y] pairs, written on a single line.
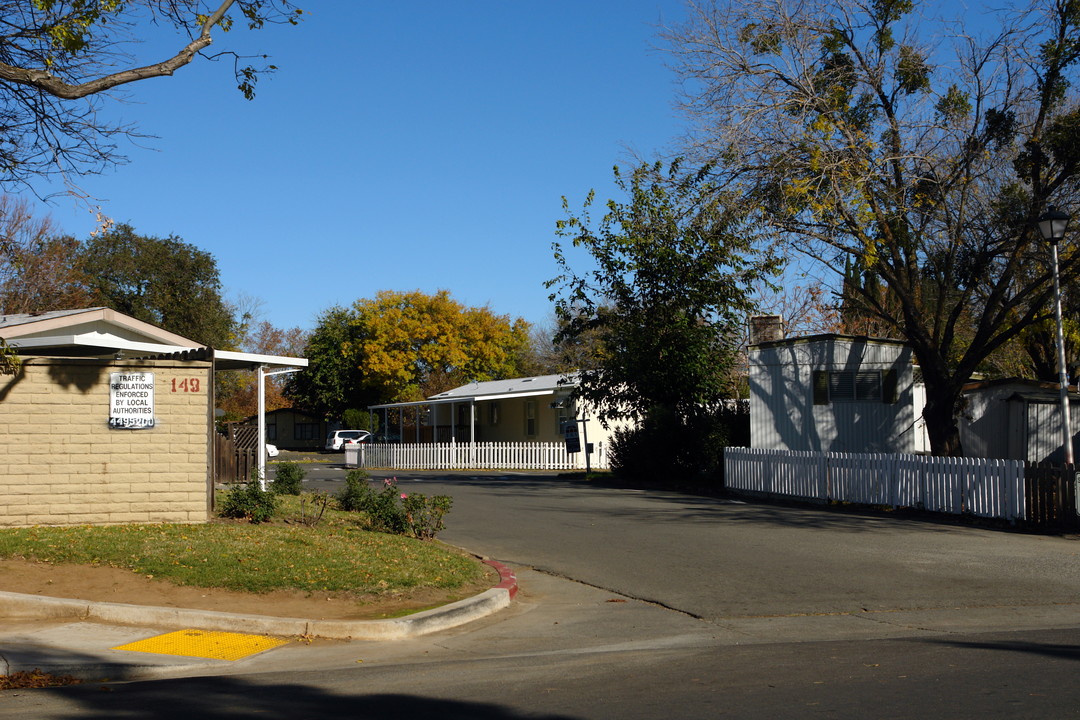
{"points": [[234, 457], [476, 456], [985, 488], [1051, 497]]}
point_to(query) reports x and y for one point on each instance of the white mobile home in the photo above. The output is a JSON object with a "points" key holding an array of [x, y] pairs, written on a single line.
{"points": [[837, 393], [1014, 419]]}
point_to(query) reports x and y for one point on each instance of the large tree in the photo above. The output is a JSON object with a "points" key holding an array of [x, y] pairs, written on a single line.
{"points": [[331, 383], [662, 295], [866, 135], [403, 346], [37, 269], [237, 391], [38, 266], [552, 352], [163, 281], [60, 59]]}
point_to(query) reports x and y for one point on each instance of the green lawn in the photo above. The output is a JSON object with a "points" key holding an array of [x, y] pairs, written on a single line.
{"points": [[336, 555]]}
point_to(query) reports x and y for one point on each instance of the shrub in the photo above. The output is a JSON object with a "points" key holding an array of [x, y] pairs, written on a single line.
{"points": [[423, 515], [357, 495], [675, 450], [360, 419], [312, 507], [249, 501], [391, 510], [384, 513], [630, 455], [288, 480]]}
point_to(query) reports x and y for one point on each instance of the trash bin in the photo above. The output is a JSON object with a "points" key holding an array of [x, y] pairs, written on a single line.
{"points": [[352, 454]]}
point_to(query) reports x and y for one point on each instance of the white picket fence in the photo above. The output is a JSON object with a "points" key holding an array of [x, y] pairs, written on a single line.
{"points": [[986, 488], [475, 456]]}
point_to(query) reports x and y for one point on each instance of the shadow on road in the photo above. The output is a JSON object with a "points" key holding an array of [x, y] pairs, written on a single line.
{"points": [[231, 698], [674, 506], [1064, 652]]}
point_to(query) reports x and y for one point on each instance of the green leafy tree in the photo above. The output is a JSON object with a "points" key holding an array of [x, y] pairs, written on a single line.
{"points": [[665, 302], [861, 141], [402, 346], [60, 60], [332, 381], [165, 282]]}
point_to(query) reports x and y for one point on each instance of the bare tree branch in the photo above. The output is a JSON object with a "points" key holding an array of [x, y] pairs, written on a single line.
{"points": [[901, 153], [60, 63]]}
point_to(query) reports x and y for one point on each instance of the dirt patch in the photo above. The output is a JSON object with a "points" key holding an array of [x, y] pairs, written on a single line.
{"points": [[107, 584]]}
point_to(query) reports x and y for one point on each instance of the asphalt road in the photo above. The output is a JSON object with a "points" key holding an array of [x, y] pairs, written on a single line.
{"points": [[640, 605], [716, 559], [988, 677]]}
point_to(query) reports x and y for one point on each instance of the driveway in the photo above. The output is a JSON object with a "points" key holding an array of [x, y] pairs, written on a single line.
{"points": [[714, 558]]}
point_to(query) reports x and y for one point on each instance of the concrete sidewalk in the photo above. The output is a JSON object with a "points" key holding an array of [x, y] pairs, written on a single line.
{"points": [[87, 640]]}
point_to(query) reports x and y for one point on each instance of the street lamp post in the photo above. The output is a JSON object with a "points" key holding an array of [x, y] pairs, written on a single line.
{"points": [[1052, 225]]}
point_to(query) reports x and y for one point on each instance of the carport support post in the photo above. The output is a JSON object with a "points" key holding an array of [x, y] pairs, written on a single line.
{"points": [[260, 378]]}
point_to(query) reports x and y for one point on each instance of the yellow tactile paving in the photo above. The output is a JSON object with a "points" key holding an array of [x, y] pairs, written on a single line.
{"points": [[201, 644]]}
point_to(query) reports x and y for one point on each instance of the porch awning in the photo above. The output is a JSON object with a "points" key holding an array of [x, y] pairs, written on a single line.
{"points": [[105, 345], [464, 399]]}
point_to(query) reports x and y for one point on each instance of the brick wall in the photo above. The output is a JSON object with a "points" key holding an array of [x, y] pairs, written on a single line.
{"points": [[61, 463]]}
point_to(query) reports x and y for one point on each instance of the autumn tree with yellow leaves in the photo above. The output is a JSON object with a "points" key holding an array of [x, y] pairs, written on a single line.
{"points": [[404, 346]]}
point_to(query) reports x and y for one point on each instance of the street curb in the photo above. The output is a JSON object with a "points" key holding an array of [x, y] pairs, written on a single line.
{"points": [[19, 605]]}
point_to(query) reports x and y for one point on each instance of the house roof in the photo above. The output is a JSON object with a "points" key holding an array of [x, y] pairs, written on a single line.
{"points": [[86, 322], [1018, 383], [1033, 391], [496, 390], [827, 337], [101, 332]]}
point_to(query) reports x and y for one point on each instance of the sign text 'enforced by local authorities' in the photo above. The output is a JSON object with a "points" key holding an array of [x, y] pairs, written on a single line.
{"points": [[131, 400]]}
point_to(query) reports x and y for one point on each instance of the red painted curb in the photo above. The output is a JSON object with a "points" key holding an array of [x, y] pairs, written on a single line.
{"points": [[506, 576]]}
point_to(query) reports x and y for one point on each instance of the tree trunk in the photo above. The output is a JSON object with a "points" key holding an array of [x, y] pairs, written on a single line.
{"points": [[941, 424]]}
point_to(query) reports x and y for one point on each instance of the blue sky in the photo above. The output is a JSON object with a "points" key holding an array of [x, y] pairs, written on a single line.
{"points": [[400, 146]]}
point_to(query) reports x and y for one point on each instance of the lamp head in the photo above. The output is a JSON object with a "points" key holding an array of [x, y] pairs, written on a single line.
{"points": [[1052, 225]]}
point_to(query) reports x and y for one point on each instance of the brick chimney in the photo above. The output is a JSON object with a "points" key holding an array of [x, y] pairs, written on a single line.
{"points": [[766, 328]]}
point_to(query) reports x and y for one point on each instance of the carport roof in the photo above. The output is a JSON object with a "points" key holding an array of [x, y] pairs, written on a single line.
{"points": [[495, 390], [104, 333]]}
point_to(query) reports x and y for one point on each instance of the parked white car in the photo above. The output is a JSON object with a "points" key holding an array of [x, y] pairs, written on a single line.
{"points": [[338, 439]]}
